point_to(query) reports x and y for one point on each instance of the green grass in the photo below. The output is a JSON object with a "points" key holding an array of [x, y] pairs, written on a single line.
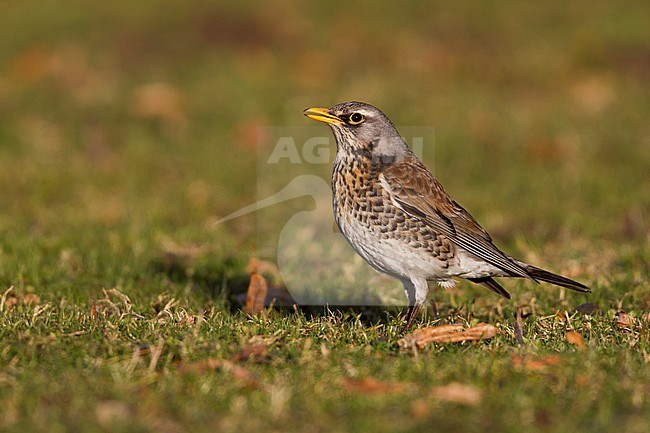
{"points": [[540, 114], [131, 367]]}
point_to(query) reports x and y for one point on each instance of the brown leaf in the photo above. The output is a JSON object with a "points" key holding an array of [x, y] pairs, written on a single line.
{"points": [[420, 409], [244, 377], [276, 295], [583, 380], [542, 149], [110, 412], [535, 364], [593, 94], [458, 393], [447, 334], [31, 299], [256, 294], [576, 339], [159, 101], [250, 134], [624, 321], [11, 301], [254, 352], [370, 385], [31, 65], [257, 266], [197, 367]]}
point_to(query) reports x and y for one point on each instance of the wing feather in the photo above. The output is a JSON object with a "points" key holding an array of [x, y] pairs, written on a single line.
{"points": [[414, 189]]}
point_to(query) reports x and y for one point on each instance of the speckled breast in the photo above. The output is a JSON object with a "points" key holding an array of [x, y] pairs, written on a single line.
{"points": [[376, 228]]}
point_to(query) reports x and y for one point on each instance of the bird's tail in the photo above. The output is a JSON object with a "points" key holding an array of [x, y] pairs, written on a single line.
{"points": [[542, 275], [492, 285]]}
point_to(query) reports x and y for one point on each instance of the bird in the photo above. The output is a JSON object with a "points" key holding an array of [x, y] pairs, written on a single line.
{"points": [[398, 217]]}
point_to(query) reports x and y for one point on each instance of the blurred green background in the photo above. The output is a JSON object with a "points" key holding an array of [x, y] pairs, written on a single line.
{"points": [[131, 118], [128, 128]]}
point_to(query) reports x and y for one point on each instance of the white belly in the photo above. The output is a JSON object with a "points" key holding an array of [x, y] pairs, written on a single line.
{"points": [[391, 256], [398, 259]]}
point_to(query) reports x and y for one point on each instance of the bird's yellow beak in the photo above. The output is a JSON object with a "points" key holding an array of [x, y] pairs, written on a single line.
{"points": [[322, 115]]}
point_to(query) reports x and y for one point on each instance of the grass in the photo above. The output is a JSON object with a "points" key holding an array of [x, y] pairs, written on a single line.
{"points": [[138, 367], [127, 131]]}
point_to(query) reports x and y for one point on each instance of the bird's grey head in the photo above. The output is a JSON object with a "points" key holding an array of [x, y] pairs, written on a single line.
{"points": [[360, 127]]}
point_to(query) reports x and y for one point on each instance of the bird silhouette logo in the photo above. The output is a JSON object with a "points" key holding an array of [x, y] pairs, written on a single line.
{"points": [[317, 265]]}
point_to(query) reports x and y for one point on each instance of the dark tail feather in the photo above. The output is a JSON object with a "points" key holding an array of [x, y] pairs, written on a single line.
{"points": [[492, 285], [558, 280]]}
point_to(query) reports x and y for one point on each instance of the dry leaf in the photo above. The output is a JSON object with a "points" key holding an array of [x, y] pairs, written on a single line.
{"points": [[254, 352], [31, 65], [31, 299], [159, 101], [458, 393], [241, 374], [278, 296], [257, 266], [576, 339], [447, 334], [11, 301], [256, 294], [593, 94], [250, 134], [420, 409], [369, 385], [114, 302], [624, 320], [197, 367], [535, 364], [109, 412], [583, 380], [542, 149]]}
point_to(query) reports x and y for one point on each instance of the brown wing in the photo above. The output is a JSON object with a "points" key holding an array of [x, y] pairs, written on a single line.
{"points": [[419, 194]]}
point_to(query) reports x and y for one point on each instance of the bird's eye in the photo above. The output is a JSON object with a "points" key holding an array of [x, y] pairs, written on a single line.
{"points": [[356, 118]]}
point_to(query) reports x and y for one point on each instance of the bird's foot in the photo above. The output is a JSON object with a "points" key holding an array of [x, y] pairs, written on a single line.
{"points": [[411, 315], [434, 309]]}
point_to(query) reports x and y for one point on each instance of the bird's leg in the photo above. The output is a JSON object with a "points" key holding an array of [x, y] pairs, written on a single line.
{"points": [[411, 315], [434, 307], [416, 292]]}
